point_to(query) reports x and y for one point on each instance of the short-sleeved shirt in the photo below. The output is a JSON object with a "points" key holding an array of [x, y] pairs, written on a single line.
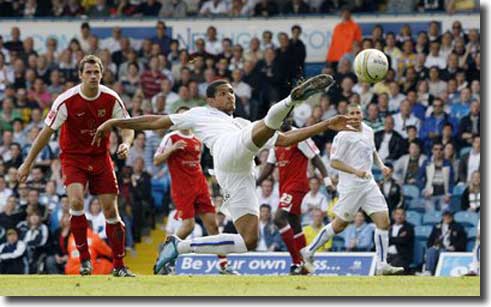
{"points": [[79, 116], [292, 163], [356, 150]]}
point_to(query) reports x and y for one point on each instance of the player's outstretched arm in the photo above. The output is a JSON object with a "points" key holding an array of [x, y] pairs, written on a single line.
{"points": [[41, 140], [337, 123], [343, 167], [145, 122]]}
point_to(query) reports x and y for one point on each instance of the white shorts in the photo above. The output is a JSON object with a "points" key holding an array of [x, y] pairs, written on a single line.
{"points": [[233, 158], [368, 198]]}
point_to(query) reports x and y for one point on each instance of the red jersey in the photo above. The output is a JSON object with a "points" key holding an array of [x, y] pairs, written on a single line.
{"points": [[79, 116], [292, 162], [184, 165]]}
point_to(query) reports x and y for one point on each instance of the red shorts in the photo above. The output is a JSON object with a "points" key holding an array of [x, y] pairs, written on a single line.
{"points": [[291, 202], [98, 171], [192, 201]]}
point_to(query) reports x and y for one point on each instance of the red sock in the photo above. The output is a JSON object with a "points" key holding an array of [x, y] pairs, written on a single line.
{"points": [[116, 236], [222, 261], [78, 226], [287, 236], [300, 241]]}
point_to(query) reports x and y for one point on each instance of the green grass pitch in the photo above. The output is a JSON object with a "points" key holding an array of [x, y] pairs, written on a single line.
{"points": [[148, 285]]}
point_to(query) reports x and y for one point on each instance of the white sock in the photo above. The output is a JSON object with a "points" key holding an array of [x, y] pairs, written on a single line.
{"points": [[475, 265], [381, 245], [221, 244], [322, 237], [277, 113]]}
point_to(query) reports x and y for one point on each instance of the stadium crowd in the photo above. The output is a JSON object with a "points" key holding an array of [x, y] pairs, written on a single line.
{"points": [[425, 115]]}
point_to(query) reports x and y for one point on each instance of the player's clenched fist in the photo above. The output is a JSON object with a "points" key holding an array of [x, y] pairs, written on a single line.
{"points": [[23, 172]]}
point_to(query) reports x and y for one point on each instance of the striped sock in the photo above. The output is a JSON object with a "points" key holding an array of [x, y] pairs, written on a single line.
{"points": [[381, 245], [221, 244], [322, 237]]}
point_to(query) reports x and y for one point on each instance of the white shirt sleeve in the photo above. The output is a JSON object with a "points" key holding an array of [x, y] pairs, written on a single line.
{"points": [[164, 144], [271, 156], [119, 110], [57, 115], [339, 148], [181, 121], [308, 148]]}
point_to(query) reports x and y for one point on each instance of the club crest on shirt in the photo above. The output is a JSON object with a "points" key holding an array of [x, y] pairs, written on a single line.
{"points": [[101, 112]]}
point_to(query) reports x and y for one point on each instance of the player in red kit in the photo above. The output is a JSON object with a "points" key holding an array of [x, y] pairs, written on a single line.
{"points": [[78, 112], [292, 163], [181, 150]]}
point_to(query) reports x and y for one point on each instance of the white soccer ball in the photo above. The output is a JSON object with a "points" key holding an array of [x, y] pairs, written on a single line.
{"points": [[371, 65]]}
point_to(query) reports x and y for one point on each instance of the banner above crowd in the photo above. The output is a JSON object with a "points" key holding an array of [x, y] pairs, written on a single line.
{"points": [[316, 34]]}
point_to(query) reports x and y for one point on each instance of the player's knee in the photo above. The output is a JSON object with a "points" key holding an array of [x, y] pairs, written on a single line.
{"points": [[77, 203], [251, 242]]}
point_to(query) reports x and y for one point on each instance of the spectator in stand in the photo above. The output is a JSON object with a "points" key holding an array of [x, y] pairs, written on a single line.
{"points": [[344, 34], [212, 45], [95, 215], [435, 58], [12, 254], [446, 236], [436, 180], [358, 236], [310, 231], [395, 97], [450, 154], [150, 79], [213, 8], [173, 8], [148, 8], [433, 124], [405, 118], [266, 8], [35, 239], [471, 198], [391, 190], [269, 236], [58, 252], [389, 143], [373, 120], [471, 124], [268, 195], [296, 7], [470, 162], [100, 9], [461, 107], [10, 215], [401, 240], [161, 38], [313, 199]]}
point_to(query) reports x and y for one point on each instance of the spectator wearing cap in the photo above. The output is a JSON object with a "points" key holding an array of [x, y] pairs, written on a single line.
{"points": [[436, 180], [391, 190], [401, 240], [344, 34], [446, 236], [12, 254]]}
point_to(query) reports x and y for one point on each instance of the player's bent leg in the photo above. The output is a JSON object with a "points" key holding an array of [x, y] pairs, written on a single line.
{"points": [[116, 234], [78, 225], [186, 228], [381, 238], [329, 231]]}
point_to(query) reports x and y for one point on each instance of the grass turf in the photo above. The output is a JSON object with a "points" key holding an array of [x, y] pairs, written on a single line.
{"points": [[148, 285]]}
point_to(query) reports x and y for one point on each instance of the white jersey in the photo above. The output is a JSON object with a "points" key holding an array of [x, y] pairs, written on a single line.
{"points": [[356, 150], [209, 124]]}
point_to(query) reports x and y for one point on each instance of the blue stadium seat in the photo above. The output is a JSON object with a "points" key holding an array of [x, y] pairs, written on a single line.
{"points": [[471, 232], [410, 191], [459, 189], [466, 218], [422, 232], [432, 218], [456, 203], [465, 151], [419, 252], [470, 245], [413, 217], [417, 204], [338, 243]]}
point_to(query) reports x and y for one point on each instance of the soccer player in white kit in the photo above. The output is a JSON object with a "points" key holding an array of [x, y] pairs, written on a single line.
{"points": [[353, 154], [233, 143]]}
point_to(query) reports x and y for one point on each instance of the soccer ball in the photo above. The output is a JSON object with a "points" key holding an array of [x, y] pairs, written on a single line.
{"points": [[371, 65]]}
